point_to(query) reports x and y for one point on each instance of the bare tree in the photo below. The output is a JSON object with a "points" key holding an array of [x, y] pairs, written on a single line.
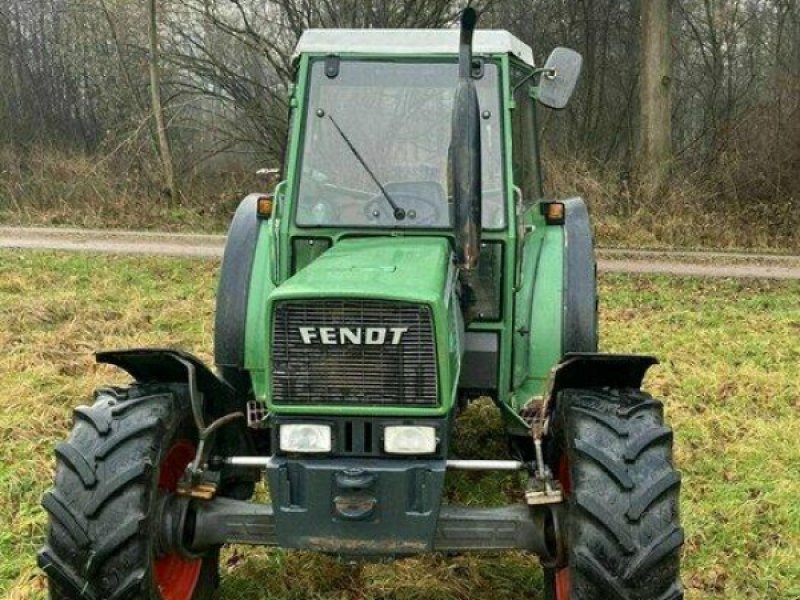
{"points": [[75, 77], [655, 133], [158, 109]]}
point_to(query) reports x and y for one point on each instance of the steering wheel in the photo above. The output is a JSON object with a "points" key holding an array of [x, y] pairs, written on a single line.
{"points": [[420, 210]]}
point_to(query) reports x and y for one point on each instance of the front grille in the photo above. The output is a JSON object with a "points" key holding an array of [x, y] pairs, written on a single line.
{"points": [[353, 373]]}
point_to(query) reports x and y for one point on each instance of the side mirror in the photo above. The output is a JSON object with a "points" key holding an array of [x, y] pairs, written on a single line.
{"points": [[560, 75], [270, 175]]}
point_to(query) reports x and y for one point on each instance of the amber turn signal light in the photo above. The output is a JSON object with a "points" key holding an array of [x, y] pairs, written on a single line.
{"points": [[553, 213], [264, 206]]}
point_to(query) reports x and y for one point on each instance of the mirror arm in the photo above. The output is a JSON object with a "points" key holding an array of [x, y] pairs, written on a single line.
{"points": [[533, 73]]}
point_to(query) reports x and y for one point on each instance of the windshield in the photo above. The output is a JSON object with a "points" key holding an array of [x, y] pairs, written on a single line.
{"points": [[377, 138]]}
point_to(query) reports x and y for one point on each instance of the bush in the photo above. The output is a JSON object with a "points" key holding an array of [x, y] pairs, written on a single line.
{"points": [[747, 198], [52, 187], [725, 205]]}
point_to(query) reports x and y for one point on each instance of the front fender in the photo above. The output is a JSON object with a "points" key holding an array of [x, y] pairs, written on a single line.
{"points": [[589, 370], [595, 370], [163, 365]]}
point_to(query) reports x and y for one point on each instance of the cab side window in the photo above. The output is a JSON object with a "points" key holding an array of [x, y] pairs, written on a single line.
{"points": [[523, 141]]}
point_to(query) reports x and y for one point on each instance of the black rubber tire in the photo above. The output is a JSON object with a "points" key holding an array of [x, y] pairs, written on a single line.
{"points": [[622, 518], [101, 535]]}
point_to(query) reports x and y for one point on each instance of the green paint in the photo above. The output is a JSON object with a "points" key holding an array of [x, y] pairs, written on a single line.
{"points": [[298, 109], [538, 322], [404, 269], [307, 250], [261, 285], [409, 269], [504, 379], [414, 266]]}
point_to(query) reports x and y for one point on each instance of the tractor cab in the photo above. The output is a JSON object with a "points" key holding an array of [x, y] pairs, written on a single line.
{"points": [[377, 111]]}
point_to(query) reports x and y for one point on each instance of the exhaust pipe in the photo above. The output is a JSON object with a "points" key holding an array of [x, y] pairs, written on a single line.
{"points": [[465, 153]]}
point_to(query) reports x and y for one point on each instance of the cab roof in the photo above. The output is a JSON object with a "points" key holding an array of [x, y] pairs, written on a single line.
{"points": [[441, 42]]}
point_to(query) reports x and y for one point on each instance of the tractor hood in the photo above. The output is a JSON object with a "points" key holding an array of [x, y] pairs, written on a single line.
{"points": [[371, 327], [411, 269]]}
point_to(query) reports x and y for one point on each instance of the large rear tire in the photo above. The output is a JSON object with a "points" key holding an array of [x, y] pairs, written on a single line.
{"points": [[613, 457], [125, 452]]}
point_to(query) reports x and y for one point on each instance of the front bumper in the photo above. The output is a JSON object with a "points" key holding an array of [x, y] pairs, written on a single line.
{"points": [[369, 507], [356, 506]]}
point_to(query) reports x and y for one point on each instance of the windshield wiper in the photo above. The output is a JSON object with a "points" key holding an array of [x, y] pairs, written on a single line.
{"points": [[399, 213]]}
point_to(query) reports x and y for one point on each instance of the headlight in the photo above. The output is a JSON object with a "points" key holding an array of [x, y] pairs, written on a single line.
{"points": [[405, 439], [306, 438]]}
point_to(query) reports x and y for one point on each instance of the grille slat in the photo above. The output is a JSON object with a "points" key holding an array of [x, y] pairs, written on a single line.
{"points": [[347, 374]]}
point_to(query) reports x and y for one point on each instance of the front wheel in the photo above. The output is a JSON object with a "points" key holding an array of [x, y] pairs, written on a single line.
{"points": [[613, 457], [126, 452]]}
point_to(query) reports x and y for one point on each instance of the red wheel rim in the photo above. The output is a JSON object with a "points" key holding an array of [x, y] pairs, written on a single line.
{"points": [[175, 575], [562, 581]]}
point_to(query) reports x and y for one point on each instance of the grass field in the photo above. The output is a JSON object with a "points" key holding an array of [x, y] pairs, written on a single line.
{"points": [[730, 350]]}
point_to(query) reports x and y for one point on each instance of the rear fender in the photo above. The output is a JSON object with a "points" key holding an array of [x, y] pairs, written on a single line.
{"points": [[234, 291], [579, 326], [556, 304]]}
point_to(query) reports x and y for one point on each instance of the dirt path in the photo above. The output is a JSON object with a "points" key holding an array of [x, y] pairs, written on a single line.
{"points": [[755, 270], [612, 260], [114, 242]]}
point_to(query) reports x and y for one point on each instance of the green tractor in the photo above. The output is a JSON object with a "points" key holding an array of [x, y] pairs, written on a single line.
{"points": [[407, 263]]}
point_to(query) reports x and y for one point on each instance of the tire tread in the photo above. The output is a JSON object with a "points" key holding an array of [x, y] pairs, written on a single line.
{"points": [[623, 526], [100, 541], [71, 521], [71, 457]]}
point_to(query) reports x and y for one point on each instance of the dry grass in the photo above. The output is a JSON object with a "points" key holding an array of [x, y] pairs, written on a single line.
{"points": [[704, 209], [47, 187], [696, 209], [729, 376]]}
